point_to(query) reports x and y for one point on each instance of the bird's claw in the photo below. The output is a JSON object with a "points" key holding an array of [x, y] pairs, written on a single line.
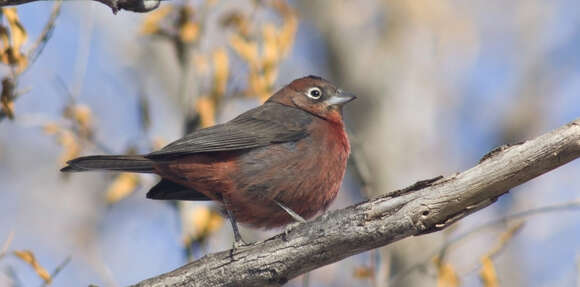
{"points": [[240, 243]]}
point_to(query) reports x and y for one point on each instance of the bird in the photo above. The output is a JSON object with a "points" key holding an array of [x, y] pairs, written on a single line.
{"points": [[281, 162]]}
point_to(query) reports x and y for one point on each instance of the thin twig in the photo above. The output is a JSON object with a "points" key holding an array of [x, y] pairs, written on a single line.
{"points": [[6, 244], [139, 6], [73, 102], [45, 35], [57, 270], [567, 206], [577, 271]]}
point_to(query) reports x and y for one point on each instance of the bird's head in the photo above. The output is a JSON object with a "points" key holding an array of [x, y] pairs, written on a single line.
{"points": [[316, 96]]}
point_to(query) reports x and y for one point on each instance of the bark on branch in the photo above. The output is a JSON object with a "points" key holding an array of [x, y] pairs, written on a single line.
{"points": [[116, 5], [424, 207]]}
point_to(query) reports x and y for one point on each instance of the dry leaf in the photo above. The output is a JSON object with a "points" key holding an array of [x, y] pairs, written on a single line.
{"points": [[152, 23], [51, 128], [487, 273], [202, 221], [28, 257], [505, 238], [82, 117], [158, 143], [363, 272], [258, 86], [18, 36], [221, 73], [7, 97], [17, 31], [82, 114], [188, 32], [6, 244], [4, 41], [201, 63], [270, 55], [248, 50], [205, 107], [287, 35], [122, 186], [69, 142], [188, 29], [446, 275], [238, 21]]}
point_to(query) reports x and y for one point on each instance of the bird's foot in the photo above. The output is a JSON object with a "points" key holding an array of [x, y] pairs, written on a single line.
{"points": [[240, 243]]}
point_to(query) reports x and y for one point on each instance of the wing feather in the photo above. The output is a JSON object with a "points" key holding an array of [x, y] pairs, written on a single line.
{"points": [[264, 125]]}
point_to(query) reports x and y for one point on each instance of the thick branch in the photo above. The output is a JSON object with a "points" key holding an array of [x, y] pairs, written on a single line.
{"points": [[115, 5], [422, 208]]}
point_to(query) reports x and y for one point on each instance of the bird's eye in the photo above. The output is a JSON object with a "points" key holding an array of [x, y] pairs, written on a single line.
{"points": [[314, 93]]}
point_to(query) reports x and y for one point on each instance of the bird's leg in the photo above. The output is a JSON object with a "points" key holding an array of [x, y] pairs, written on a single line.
{"points": [[238, 241], [290, 212]]}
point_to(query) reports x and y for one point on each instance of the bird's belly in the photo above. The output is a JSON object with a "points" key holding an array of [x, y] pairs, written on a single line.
{"points": [[303, 178]]}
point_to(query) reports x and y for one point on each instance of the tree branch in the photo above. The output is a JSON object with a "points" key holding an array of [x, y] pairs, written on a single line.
{"points": [[116, 5], [425, 207]]}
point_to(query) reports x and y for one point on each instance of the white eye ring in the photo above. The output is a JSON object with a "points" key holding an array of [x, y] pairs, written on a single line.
{"points": [[314, 93]]}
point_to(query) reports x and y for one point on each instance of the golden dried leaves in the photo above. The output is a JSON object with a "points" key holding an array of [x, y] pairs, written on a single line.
{"points": [[173, 22], [488, 273], [65, 138], [28, 257], [123, 185], [200, 222], [6, 244], [201, 63], [363, 272], [12, 39], [188, 29], [152, 23], [7, 97], [263, 54], [237, 21], [246, 49], [446, 274], [206, 107], [206, 220], [82, 118], [158, 143], [70, 138], [220, 72]]}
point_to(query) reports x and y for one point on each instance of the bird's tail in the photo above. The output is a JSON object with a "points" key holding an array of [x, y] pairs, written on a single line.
{"points": [[130, 163]]}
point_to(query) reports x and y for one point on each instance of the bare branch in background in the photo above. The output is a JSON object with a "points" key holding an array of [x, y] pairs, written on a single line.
{"points": [[140, 6], [440, 253], [45, 35], [58, 269], [338, 234]]}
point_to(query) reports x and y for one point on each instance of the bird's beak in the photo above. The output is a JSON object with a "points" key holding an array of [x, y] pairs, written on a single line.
{"points": [[340, 99]]}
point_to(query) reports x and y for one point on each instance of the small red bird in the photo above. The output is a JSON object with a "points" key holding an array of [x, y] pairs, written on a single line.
{"points": [[279, 162]]}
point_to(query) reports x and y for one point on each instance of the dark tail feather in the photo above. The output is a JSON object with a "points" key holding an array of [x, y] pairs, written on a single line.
{"points": [[169, 190], [131, 163]]}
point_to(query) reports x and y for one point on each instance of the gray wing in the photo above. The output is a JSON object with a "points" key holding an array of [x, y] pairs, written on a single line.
{"points": [[264, 125]]}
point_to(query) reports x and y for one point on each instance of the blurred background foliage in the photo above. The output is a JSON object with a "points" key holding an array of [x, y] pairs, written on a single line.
{"points": [[440, 83]]}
